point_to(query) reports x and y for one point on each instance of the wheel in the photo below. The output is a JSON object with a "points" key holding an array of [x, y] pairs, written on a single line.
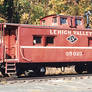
{"points": [[79, 69], [26, 73], [2, 70], [19, 73], [40, 71]]}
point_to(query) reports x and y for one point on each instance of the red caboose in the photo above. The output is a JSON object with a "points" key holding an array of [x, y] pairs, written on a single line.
{"points": [[59, 41]]}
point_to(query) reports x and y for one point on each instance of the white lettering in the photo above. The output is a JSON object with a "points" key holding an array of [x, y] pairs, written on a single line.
{"points": [[51, 31], [55, 32], [59, 32], [68, 32], [70, 53], [90, 33]]}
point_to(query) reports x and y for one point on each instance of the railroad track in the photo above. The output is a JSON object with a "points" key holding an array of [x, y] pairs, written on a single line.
{"points": [[44, 78]]}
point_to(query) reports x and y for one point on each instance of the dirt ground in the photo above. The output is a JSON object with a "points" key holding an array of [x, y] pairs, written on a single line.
{"points": [[53, 85], [70, 84]]}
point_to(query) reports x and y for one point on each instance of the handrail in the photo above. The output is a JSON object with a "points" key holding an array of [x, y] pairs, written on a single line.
{"points": [[24, 56]]}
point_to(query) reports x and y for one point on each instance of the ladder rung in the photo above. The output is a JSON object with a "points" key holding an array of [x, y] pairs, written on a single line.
{"points": [[11, 65], [12, 69]]}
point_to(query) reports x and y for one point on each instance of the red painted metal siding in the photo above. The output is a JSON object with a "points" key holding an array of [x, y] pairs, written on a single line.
{"points": [[65, 44], [62, 50], [57, 55]]}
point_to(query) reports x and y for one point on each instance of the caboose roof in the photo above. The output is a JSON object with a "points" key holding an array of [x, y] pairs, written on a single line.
{"points": [[40, 26], [55, 15], [28, 25]]}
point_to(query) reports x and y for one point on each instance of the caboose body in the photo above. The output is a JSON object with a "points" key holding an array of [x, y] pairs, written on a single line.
{"points": [[59, 41]]}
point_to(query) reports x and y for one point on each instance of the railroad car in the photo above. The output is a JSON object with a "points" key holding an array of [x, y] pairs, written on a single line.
{"points": [[59, 41]]}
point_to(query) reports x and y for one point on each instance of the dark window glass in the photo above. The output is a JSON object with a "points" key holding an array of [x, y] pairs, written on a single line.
{"points": [[43, 21], [50, 40], [37, 39], [90, 41], [78, 21], [54, 19], [63, 20]]}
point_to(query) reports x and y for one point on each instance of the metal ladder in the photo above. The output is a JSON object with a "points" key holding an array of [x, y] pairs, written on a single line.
{"points": [[10, 68]]}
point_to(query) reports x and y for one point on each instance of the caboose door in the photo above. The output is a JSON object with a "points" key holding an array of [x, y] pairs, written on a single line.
{"points": [[10, 42]]}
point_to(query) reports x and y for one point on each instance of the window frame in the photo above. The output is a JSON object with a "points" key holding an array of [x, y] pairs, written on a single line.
{"points": [[54, 20], [63, 20], [35, 42], [43, 22], [48, 42], [78, 22], [89, 40]]}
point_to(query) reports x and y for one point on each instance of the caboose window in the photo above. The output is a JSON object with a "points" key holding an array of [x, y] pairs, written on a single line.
{"points": [[63, 20], [78, 21], [89, 41], [54, 19], [49, 40], [37, 39], [43, 21]]}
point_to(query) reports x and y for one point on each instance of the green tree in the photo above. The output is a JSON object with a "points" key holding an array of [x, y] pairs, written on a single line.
{"points": [[8, 10], [30, 11], [2, 17]]}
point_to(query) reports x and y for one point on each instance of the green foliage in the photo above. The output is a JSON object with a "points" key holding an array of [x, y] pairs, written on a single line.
{"points": [[30, 11]]}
